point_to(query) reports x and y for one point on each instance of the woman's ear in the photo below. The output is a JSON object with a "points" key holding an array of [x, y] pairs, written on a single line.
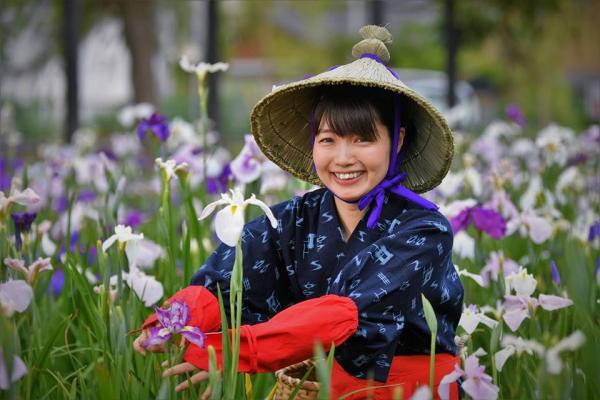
{"points": [[401, 139]]}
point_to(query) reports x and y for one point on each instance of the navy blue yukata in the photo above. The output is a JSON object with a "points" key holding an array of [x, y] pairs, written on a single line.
{"points": [[383, 270]]}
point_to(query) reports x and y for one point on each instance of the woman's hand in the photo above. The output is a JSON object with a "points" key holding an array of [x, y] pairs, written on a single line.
{"points": [[138, 344], [184, 368]]}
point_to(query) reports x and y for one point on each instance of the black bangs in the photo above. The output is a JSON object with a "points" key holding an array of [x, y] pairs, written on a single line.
{"points": [[353, 110]]}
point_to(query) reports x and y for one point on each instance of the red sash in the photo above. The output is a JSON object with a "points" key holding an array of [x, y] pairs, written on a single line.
{"points": [[406, 372]]}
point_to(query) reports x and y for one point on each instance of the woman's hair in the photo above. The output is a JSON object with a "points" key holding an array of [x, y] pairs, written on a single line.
{"points": [[354, 110]]}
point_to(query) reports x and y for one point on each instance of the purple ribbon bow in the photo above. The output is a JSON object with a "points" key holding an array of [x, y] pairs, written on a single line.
{"points": [[392, 185]]}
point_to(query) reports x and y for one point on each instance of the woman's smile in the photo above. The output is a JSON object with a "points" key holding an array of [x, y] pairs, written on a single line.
{"points": [[348, 165]]}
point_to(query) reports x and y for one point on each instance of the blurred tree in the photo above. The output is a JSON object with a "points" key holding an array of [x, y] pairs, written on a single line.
{"points": [[138, 19], [514, 43], [71, 41]]}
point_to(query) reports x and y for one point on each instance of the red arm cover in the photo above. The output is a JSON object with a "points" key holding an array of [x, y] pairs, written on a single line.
{"points": [[288, 337], [204, 308]]}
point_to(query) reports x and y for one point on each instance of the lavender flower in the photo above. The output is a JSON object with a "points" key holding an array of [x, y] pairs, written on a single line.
{"points": [[514, 113], [219, 184], [18, 370], [555, 274], [174, 321], [484, 219], [594, 231], [57, 282], [22, 222], [157, 124], [133, 219], [476, 383]]}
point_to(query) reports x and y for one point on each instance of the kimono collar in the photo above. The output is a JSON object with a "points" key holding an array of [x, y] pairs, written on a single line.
{"points": [[392, 181]]}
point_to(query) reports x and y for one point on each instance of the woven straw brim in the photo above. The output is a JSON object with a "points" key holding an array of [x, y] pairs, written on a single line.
{"points": [[281, 125], [290, 377]]}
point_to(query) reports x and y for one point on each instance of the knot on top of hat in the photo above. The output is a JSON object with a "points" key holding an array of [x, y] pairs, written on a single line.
{"points": [[374, 42]]}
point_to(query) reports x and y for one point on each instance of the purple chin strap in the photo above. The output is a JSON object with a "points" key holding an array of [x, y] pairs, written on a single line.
{"points": [[392, 181]]}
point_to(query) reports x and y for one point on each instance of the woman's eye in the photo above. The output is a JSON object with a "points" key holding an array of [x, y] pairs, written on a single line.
{"points": [[325, 140]]}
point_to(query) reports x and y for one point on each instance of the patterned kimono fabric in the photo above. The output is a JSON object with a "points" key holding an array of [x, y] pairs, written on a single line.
{"points": [[303, 282]]}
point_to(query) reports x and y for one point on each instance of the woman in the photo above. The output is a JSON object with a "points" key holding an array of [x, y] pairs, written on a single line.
{"points": [[347, 263]]}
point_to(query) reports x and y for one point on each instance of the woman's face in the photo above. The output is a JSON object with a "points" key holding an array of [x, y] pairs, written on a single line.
{"points": [[349, 166]]}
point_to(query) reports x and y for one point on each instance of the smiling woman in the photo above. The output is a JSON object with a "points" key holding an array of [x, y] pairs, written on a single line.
{"points": [[347, 264]]}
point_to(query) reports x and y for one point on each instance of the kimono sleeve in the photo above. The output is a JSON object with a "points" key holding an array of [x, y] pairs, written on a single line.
{"points": [[386, 280], [264, 283]]}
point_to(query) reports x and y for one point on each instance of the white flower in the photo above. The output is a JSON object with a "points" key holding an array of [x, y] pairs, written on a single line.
{"points": [[146, 287], [476, 277], [143, 253], [202, 68], [514, 344], [167, 167], [422, 393], [30, 273], [26, 198], [229, 222], [572, 342], [522, 282], [554, 142], [471, 317], [464, 245], [14, 296], [18, 370], [123, 234], [130, 114], [454, 208]]}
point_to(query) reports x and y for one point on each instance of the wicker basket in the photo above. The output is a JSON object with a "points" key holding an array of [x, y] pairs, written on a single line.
{"points": [[289, 377]]}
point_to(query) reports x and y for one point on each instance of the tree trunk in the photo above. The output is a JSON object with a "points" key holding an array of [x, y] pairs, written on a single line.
{"points": [[451, 47], [71, 40], [138, 18], [212, 56]]}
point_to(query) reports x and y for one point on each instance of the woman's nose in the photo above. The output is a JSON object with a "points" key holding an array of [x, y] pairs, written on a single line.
{"points": [[345, 153]]}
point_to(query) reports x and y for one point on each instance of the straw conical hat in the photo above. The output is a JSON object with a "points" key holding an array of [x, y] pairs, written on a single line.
{"points": [[281, 120]]}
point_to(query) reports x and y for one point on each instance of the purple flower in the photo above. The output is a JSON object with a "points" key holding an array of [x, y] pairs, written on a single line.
{"points": [[594, 231], [484, 219], [514, 113], [174, 321], [18, 369], [555, 274], [157, 124], [219, 184], [86, 196], [133, 219], [475, 382], [57, 282], [22, 222]]}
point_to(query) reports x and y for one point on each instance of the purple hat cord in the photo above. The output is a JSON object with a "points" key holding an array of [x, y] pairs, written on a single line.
{"points": [[392, 181]]}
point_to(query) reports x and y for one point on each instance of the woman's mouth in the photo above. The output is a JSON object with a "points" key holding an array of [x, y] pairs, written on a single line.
{"points": [[347, 178]]}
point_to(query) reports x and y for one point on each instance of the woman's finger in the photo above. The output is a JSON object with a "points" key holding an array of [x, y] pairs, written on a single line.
{"points": [[179, 369], [206, 393], [138, 344], [195, 379]]}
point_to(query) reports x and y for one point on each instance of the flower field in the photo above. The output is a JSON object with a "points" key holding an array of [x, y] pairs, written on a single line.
{"points": [[92, 235]]}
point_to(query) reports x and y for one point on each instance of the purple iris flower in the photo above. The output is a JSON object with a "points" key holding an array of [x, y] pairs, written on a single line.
{"points": [[133, 219], [22, 223], [157, 124], [219, 184], [594, 231], [174, 321], [86, 196], [554, 273], [484, 219], [514, 113], [57, 282], [72, 241]]}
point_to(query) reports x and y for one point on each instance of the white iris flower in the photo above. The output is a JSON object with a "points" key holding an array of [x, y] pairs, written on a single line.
{"points": [[229, 221]]}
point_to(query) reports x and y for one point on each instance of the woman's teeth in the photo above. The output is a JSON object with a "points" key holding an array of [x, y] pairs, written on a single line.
{"points": [[346, 176]]}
